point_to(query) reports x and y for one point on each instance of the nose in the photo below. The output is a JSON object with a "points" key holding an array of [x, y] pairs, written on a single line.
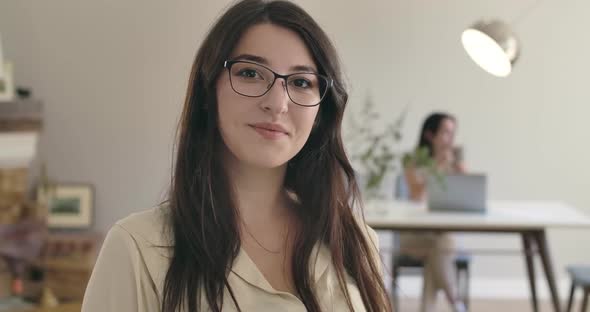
{"points": [[276, 101]]}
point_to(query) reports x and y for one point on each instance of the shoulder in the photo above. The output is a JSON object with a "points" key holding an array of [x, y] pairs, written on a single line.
{"points": [[372, 240], [366, 230], [138, 245], [130, 270], [372, 236], [148, 226]]}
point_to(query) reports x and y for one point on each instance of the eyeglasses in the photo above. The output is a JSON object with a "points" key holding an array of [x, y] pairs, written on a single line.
{"points": [[254, 80]]}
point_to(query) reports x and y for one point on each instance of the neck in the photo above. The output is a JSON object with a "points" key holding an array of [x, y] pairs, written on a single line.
{"points": [[259, 194]]}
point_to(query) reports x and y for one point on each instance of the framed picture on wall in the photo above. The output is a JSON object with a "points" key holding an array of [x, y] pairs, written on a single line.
{"points": [[69, 206]]}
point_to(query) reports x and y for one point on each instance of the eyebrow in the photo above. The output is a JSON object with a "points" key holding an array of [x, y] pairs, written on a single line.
{"points": [[264, 61]]}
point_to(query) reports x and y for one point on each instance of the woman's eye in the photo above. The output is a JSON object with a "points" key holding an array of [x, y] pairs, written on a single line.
{"points": [[248, 73], [302, 83]]}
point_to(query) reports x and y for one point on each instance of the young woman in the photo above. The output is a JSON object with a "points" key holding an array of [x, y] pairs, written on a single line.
{"points": [[260, 212], [438, 137], [435, 249]]}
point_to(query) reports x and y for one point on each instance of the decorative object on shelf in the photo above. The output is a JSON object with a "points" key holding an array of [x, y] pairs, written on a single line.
{"points": [[6, 78], [48, 299], [22, 240], [1, 60], [67, 260], [69, 206], [45, 190], [23, 93], [64, 266], [13, 187], [20, 246], [7, 83], [14, 204], [375, 151]]}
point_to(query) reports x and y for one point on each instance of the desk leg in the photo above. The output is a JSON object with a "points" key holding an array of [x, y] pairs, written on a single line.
{"points": [[548, 267], [530, 265], [585, 299]]}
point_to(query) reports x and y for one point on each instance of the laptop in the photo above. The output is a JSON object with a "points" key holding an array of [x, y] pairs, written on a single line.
{"points": [[458, 193]]}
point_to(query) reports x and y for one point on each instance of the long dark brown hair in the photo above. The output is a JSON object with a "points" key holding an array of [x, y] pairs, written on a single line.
{"points": [[204, 220]]}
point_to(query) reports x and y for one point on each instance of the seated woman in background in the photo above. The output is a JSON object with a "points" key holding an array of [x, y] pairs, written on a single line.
{"points": [[435, 249], [438, 137]]}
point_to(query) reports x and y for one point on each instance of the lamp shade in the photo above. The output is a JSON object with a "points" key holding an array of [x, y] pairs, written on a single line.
{"points": [[492, 46]]}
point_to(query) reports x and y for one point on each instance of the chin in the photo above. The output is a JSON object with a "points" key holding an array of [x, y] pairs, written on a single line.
{"points": [[267, 156], [267, 162]]}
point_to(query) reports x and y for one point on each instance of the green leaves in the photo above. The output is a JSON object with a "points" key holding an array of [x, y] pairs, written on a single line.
{"points": [[375, 150], [420, 158]]}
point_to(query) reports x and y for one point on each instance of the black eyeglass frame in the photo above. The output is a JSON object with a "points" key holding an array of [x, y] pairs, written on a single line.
{"points": [[229, 63]]}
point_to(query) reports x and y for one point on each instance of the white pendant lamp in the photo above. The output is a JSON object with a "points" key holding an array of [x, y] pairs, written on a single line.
{"points": [[493, 46]]}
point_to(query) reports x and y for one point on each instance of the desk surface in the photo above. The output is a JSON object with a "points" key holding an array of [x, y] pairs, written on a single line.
{"points": [[500, 216]]}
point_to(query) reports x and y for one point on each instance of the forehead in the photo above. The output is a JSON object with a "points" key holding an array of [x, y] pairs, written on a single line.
{"points": [[282, 48], [448, 124]]}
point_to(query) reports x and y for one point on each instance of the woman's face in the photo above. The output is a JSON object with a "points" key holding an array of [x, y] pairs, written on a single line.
{"points": [[444, 138], [265, 131]]}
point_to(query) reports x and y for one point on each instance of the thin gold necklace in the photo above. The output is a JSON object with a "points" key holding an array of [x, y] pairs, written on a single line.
{"points": [[259, 244]]}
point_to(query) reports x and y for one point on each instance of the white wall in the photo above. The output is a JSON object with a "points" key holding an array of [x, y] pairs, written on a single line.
{"points": [[113, 76]]}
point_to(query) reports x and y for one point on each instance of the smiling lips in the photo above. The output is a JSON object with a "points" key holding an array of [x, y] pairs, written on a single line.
{"points": [[270, 131]]}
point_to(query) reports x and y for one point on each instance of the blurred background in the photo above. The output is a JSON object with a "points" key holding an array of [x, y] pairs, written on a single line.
{"points": [[107, 80]]}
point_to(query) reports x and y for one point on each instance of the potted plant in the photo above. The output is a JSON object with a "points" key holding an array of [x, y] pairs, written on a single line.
{"points": [[377, 154]]}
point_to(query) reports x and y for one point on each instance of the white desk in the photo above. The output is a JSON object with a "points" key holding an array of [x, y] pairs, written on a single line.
{"points": [[529, 219]]}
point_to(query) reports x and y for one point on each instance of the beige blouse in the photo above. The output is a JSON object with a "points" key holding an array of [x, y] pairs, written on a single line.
{"points": [[130, 270]]}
